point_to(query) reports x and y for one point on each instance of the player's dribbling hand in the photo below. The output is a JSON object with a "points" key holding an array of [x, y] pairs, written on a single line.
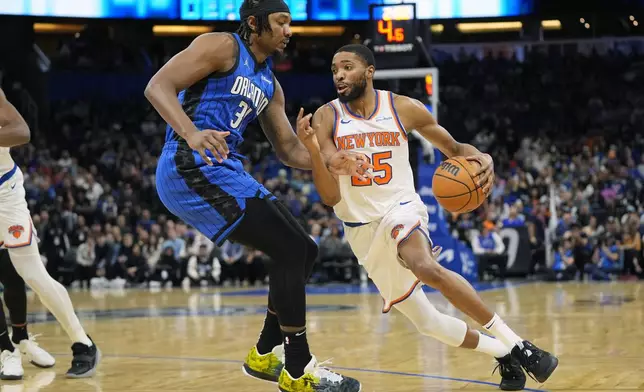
{"points": [[209, 140], [485, 174]]}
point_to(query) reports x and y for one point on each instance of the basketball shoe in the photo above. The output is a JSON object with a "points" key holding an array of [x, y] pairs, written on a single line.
{"points": [[265, 367], [11, 365], [539, 364], [34, 353], [85, 360], [512, 376], [317, 378]]}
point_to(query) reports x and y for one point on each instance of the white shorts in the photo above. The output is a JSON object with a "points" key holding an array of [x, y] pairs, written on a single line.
{"points": [[16, 227], [375, 245]]}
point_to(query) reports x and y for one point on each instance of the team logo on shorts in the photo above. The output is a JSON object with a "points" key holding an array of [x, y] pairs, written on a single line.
{"points": [[396, 231], [16, 231]]}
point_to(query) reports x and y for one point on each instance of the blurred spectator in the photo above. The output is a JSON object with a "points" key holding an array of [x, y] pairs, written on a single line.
{"points": [[564, 267], [202, 269], [489, 250], [86, 258], [167, 269], [232, 268], [606, 260], [514, 219], [253, 271]]}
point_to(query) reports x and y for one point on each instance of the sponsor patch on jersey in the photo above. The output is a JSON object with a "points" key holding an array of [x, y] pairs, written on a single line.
{"points": [[16, 231], [396, 230]]}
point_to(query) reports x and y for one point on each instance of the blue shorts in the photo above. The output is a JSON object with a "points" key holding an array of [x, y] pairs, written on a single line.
{"points": [[212, 199]]}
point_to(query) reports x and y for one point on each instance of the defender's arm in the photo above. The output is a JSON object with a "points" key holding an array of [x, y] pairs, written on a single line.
{"points": [[208, 53], [278, 130]]}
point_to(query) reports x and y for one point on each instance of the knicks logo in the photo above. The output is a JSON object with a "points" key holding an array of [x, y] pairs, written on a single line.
{"points": [[396, 230], [16, 231]]}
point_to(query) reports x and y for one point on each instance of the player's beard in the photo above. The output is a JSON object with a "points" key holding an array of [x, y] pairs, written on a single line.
{"points": [[357, 90]]}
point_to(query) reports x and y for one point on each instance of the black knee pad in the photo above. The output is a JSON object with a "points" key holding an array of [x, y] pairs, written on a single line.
{"points": [[8, 275]]}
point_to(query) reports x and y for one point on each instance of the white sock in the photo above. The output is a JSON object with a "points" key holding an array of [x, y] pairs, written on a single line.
{"points": [[501, 331], [491, 346], [51, 293], [430, 322]]}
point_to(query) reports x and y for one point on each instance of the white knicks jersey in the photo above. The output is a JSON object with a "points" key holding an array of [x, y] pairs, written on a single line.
{"points": [[382, 138], [6, 161]]}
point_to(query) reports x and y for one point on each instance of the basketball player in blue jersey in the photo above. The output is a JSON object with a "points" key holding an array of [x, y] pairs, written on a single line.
{"points": [[392, 241], [208, 94]]}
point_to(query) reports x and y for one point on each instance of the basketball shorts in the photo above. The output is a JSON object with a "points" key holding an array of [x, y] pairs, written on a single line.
{"points": [[16, 228], [212, 199], [375, 245]]}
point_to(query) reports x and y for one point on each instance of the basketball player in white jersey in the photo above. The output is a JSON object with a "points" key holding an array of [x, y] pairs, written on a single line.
{"points": [[386, 222], [18, 235], [20, 342]]}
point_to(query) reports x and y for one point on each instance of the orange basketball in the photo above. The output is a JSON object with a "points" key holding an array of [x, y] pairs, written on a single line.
{"points": [[455, 187]]}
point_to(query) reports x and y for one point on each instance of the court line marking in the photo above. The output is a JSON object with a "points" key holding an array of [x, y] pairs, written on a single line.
{"points": [[344, 289], [388, 372]]}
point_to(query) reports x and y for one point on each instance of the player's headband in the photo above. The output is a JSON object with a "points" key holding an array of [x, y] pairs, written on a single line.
{"points": [[265, 7]]}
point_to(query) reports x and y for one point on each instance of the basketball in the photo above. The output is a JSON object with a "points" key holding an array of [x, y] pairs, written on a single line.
{"points": [[455, 187]]}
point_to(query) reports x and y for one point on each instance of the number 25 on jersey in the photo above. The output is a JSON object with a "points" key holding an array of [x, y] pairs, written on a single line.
{"points": [[382, 170]]}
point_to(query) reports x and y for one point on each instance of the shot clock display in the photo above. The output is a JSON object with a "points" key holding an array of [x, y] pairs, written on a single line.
{"points": [[393, 28], [393, 34]]}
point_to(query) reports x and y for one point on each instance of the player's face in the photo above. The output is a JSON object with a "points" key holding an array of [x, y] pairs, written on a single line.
{"points": [[350, 75], [280, 34]]}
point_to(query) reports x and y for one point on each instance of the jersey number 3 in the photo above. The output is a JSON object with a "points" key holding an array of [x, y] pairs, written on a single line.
{"points": [[244, 110], [378, 166]]}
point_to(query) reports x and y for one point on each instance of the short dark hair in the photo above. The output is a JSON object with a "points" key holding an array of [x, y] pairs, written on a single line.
{"points": [[263, 24], [361, 50]]}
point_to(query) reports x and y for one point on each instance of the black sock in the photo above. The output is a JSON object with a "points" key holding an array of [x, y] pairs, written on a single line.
{"points": [[297, 353], [271, 334], [19, 333], [5, 342]]}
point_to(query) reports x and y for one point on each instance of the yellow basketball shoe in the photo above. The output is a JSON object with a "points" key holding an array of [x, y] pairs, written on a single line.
{"points": [[317, 378], [265, 367]]}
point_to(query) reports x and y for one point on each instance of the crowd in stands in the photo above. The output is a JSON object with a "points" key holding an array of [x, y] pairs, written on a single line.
{"points": [[565, 132], [566, 135]]}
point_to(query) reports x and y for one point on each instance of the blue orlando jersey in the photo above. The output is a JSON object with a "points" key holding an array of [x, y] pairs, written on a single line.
{"points": [[229, 101], [212, 199]]}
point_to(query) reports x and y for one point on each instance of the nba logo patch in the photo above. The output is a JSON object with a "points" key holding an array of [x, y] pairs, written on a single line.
{"points": [[396, 231], [16, 231]]}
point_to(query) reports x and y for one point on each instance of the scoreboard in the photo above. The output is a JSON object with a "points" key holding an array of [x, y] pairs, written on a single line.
{"points": [[393, 34]]}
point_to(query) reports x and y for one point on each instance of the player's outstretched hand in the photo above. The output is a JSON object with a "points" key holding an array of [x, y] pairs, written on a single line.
{"points": [[305, 132], [346, 163], [485, 174], [340, 163], [209, 140]]}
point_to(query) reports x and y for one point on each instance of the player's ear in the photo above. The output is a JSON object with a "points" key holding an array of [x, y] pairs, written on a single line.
{"points": [[370, 71], [252, 23]]}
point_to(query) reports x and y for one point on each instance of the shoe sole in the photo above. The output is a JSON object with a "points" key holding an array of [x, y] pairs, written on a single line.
{"points": [[42, 366], [512, 388], [256, 375], [283, 390], [8, 377], [91, 372], [548, 373]]}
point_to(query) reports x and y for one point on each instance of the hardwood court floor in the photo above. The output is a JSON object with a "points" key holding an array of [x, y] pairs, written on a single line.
{"points": [[196, 341]]}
